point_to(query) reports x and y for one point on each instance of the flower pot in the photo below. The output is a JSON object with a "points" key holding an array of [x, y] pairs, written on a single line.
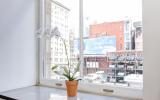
{"points": [[72, 88]]}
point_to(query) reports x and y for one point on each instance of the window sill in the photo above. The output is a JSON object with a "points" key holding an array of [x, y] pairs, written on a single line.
{"points": [[101, 89]]}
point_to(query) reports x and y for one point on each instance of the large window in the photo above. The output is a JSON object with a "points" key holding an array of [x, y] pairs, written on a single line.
{"points": [[109, 41]]}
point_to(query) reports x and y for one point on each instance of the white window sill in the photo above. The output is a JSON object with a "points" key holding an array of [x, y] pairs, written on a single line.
{"points": [[118, 91]]}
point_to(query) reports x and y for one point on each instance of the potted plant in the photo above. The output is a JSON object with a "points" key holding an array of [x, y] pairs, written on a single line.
{"points": [[69, 71]]}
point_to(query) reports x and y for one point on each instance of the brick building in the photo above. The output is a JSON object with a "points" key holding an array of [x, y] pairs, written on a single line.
{"points": [[109, 29]]}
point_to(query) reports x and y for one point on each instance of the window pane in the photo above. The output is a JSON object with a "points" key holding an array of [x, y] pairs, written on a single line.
{"points": [[112, 40], [113, 43], [62, 14]]}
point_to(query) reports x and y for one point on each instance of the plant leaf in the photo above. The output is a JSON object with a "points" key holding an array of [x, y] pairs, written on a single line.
{"points": [[54, 67], [77, 69], [67, 76], [66, 71], [58, 73]]}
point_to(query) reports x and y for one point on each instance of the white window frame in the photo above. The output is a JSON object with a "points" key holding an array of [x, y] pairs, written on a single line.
{"points": [[126, 92]]}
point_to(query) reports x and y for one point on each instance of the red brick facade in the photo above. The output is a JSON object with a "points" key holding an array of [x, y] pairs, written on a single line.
{"points": [[109, 29]]}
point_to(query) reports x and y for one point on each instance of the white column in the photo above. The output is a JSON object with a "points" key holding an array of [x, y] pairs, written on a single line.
{"points": [[151, 31]]}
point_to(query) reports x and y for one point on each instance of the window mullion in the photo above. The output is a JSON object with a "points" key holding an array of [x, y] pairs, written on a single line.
{"points": [[81, 36], [42, 26]]}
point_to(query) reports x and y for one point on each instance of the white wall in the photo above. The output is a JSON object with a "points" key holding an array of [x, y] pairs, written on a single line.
{"points": [[151, 24], [17, 44]]}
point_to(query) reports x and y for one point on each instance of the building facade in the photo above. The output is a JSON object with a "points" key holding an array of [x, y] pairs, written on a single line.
{"points": [[138, 36], [109, 29], [59, 19], [120, 29], [127, 34]]}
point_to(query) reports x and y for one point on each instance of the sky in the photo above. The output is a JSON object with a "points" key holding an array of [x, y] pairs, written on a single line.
{"points": [[108, 10], [103, 11]]}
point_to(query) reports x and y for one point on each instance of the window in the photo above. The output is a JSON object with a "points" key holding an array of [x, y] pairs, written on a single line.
{"points": [[106, 45]]}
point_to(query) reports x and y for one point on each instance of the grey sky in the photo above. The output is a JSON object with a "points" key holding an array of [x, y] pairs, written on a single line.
{"points": [[104, 10]]}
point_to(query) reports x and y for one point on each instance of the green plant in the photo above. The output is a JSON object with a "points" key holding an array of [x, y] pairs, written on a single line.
{"points": [[67, 71]]}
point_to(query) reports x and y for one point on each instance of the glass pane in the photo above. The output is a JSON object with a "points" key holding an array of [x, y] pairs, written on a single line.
{"points": [[113, 42], [62, 42]]}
